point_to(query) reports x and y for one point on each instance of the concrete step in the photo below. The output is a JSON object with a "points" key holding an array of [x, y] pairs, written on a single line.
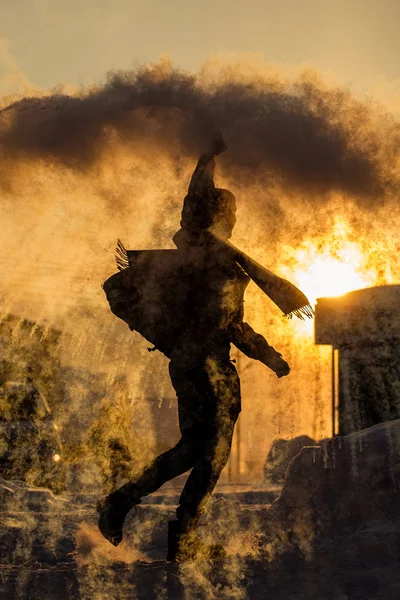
{"points": [[245, 497]]}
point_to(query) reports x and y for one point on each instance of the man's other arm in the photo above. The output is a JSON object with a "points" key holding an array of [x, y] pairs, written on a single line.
{"points": [[255, 346]]}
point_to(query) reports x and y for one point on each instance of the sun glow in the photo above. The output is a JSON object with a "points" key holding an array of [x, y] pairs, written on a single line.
{"points": [[328, 276], [332, 266]]}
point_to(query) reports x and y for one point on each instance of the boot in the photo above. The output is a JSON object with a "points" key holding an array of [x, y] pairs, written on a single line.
{"points": [[173, 531], [112, 513]]}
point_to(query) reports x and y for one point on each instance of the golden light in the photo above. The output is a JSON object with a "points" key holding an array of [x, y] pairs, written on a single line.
{"points": [[329, 266], [56, 457], [328, 276]]}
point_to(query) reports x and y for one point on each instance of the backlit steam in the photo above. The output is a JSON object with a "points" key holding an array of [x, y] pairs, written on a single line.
{"points": [[315, 174], [299, 132], [332, 266]]}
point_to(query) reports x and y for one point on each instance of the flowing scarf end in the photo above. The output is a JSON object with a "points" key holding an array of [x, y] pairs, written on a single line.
{"points": [[302, 312], [121, 256]]}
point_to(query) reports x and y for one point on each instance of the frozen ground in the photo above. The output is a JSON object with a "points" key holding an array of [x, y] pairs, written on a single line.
{"points": [[333, 534]]}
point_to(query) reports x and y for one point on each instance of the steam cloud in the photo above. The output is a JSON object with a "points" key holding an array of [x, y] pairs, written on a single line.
{"points": [[78, 171], [313, 138], [65, 198]]}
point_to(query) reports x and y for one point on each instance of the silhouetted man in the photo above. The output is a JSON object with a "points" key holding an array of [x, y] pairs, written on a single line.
{"points": [[205, 380]]}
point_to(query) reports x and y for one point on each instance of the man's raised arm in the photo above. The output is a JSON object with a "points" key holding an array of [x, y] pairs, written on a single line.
{"points": [[202, 181]]}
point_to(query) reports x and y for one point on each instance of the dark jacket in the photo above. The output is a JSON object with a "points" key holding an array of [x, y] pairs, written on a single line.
{"points": [[214, 311]]}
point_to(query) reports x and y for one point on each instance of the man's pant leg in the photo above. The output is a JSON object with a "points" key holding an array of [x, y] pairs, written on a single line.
{"points": [[184, 455], [167, 466], [205, 474], [219, 386]]}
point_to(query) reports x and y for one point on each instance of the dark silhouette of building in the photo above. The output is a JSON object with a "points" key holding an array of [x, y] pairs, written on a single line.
{"points": [[363, 328]]}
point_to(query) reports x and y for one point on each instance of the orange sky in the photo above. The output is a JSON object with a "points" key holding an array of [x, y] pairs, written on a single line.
{"points": [[56, 42]]}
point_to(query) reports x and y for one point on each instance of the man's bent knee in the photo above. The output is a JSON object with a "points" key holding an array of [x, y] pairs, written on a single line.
{"points": [[190, 447]]}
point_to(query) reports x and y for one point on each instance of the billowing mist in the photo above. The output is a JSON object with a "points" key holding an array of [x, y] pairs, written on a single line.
{"points": [[314, 170]]}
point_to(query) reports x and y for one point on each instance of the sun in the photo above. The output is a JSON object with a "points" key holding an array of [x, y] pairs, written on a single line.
{"points": [[328, 276], [330, 266]]}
